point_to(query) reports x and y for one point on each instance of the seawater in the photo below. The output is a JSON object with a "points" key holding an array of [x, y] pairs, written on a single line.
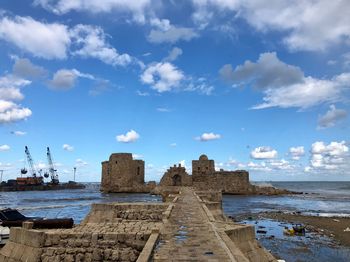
{"points": [[65, 203], [322, 199]]}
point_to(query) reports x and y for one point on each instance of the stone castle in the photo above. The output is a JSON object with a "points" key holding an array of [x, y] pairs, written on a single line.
{"points": [[121, 173], [124, 174]]}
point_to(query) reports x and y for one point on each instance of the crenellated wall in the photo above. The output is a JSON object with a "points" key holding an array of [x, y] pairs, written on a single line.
{"points": [[176, 176], [205, 177]]}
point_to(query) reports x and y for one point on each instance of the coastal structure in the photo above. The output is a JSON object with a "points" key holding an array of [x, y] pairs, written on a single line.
{"points": [[190, 226], [121, 173], [205, 177], [176, 176]]}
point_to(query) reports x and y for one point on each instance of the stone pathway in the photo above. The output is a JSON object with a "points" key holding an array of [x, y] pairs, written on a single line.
{"points": [[188, 235]]}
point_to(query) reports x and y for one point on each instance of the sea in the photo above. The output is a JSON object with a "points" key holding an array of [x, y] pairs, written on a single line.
{"points": [[326, 199], [330, 199], [70, 203], [320, 199]]}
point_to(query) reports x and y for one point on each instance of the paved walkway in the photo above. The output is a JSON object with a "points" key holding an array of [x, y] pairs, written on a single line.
{"points": [[188, 235]]}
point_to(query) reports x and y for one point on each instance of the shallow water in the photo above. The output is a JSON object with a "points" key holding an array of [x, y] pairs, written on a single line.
{"points": [[310, 247], [65, 203], [323, 199]]}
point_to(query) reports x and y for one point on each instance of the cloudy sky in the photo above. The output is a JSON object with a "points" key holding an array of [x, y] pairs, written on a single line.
{"points": [[254, 86]]}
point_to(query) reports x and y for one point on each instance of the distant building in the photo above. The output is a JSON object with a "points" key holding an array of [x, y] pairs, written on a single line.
{"points": [[205, 177], [176, 176], [121, 173]]}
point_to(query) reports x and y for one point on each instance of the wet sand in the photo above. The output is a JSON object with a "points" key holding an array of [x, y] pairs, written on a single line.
{"points": [[330, 226]]}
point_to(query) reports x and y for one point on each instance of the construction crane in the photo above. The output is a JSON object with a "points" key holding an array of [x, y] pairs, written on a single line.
{"points": [[52, 170], [30, 162]]}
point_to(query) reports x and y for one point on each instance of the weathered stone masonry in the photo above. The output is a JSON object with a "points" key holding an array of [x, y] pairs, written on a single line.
{"points": [[176, 176], [121, 173], [205, 177]]}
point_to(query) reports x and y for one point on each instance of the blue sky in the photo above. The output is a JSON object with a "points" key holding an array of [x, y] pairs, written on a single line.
{"points": [[258, 87]]}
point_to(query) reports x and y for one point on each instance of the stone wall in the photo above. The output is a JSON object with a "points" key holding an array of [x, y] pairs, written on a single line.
{"points": [[116, 212], [110, 232], [230, 182], [121, 173], [176, 176], [202, 167]]}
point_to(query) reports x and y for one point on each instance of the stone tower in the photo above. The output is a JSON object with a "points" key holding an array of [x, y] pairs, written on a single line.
{"points": [[201, 168], [121, 173]]}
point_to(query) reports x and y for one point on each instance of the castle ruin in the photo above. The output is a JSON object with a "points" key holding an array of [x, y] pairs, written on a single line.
{"points": [[121, 173], [205, 177], [176, 176]]}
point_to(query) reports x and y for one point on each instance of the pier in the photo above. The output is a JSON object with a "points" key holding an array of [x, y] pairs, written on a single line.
{"points": [[188, 226]]}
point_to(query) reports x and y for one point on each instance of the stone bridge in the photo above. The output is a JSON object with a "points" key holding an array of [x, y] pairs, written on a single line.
{"points": [[188, 226]]}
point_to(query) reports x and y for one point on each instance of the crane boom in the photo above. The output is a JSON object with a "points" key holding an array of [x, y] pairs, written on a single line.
{"points": [[30, 162], [52, 170]]}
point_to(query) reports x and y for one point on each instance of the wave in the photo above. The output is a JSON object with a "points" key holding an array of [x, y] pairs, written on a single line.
{"points": [[262, 184], [59, 199], [327, 214], [51, 207]]}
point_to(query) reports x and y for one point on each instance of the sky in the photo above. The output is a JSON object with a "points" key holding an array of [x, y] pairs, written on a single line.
{"points": [[264, 88]]}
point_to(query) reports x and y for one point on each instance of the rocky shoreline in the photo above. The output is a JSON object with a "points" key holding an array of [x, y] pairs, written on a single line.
{"points": [[337, 228]]}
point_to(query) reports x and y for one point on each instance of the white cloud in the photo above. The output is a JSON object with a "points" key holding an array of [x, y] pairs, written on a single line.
{"points": [[296, 152], [11, 93], [10, 87], [161, 24], [11, 112], [173, 144], [199, 85], [68, 147], [40, 165], [137, 156], [163, 109], [172, 35], [280, 165], [90, 41], [208, 137], [173, 54], [40, 39], [289, 87], [23, 67], [333, 156], [258, 166], [136, 7], [4, 148], [65, 79], [140, 93], [182, 163], [5, 166], [129, 137], [331, 117], [82, 40], [162, 76], [267, 72], [18, 133], [263, 152], [165, 32], [10, 90], [80, 163], [307, 25]]}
